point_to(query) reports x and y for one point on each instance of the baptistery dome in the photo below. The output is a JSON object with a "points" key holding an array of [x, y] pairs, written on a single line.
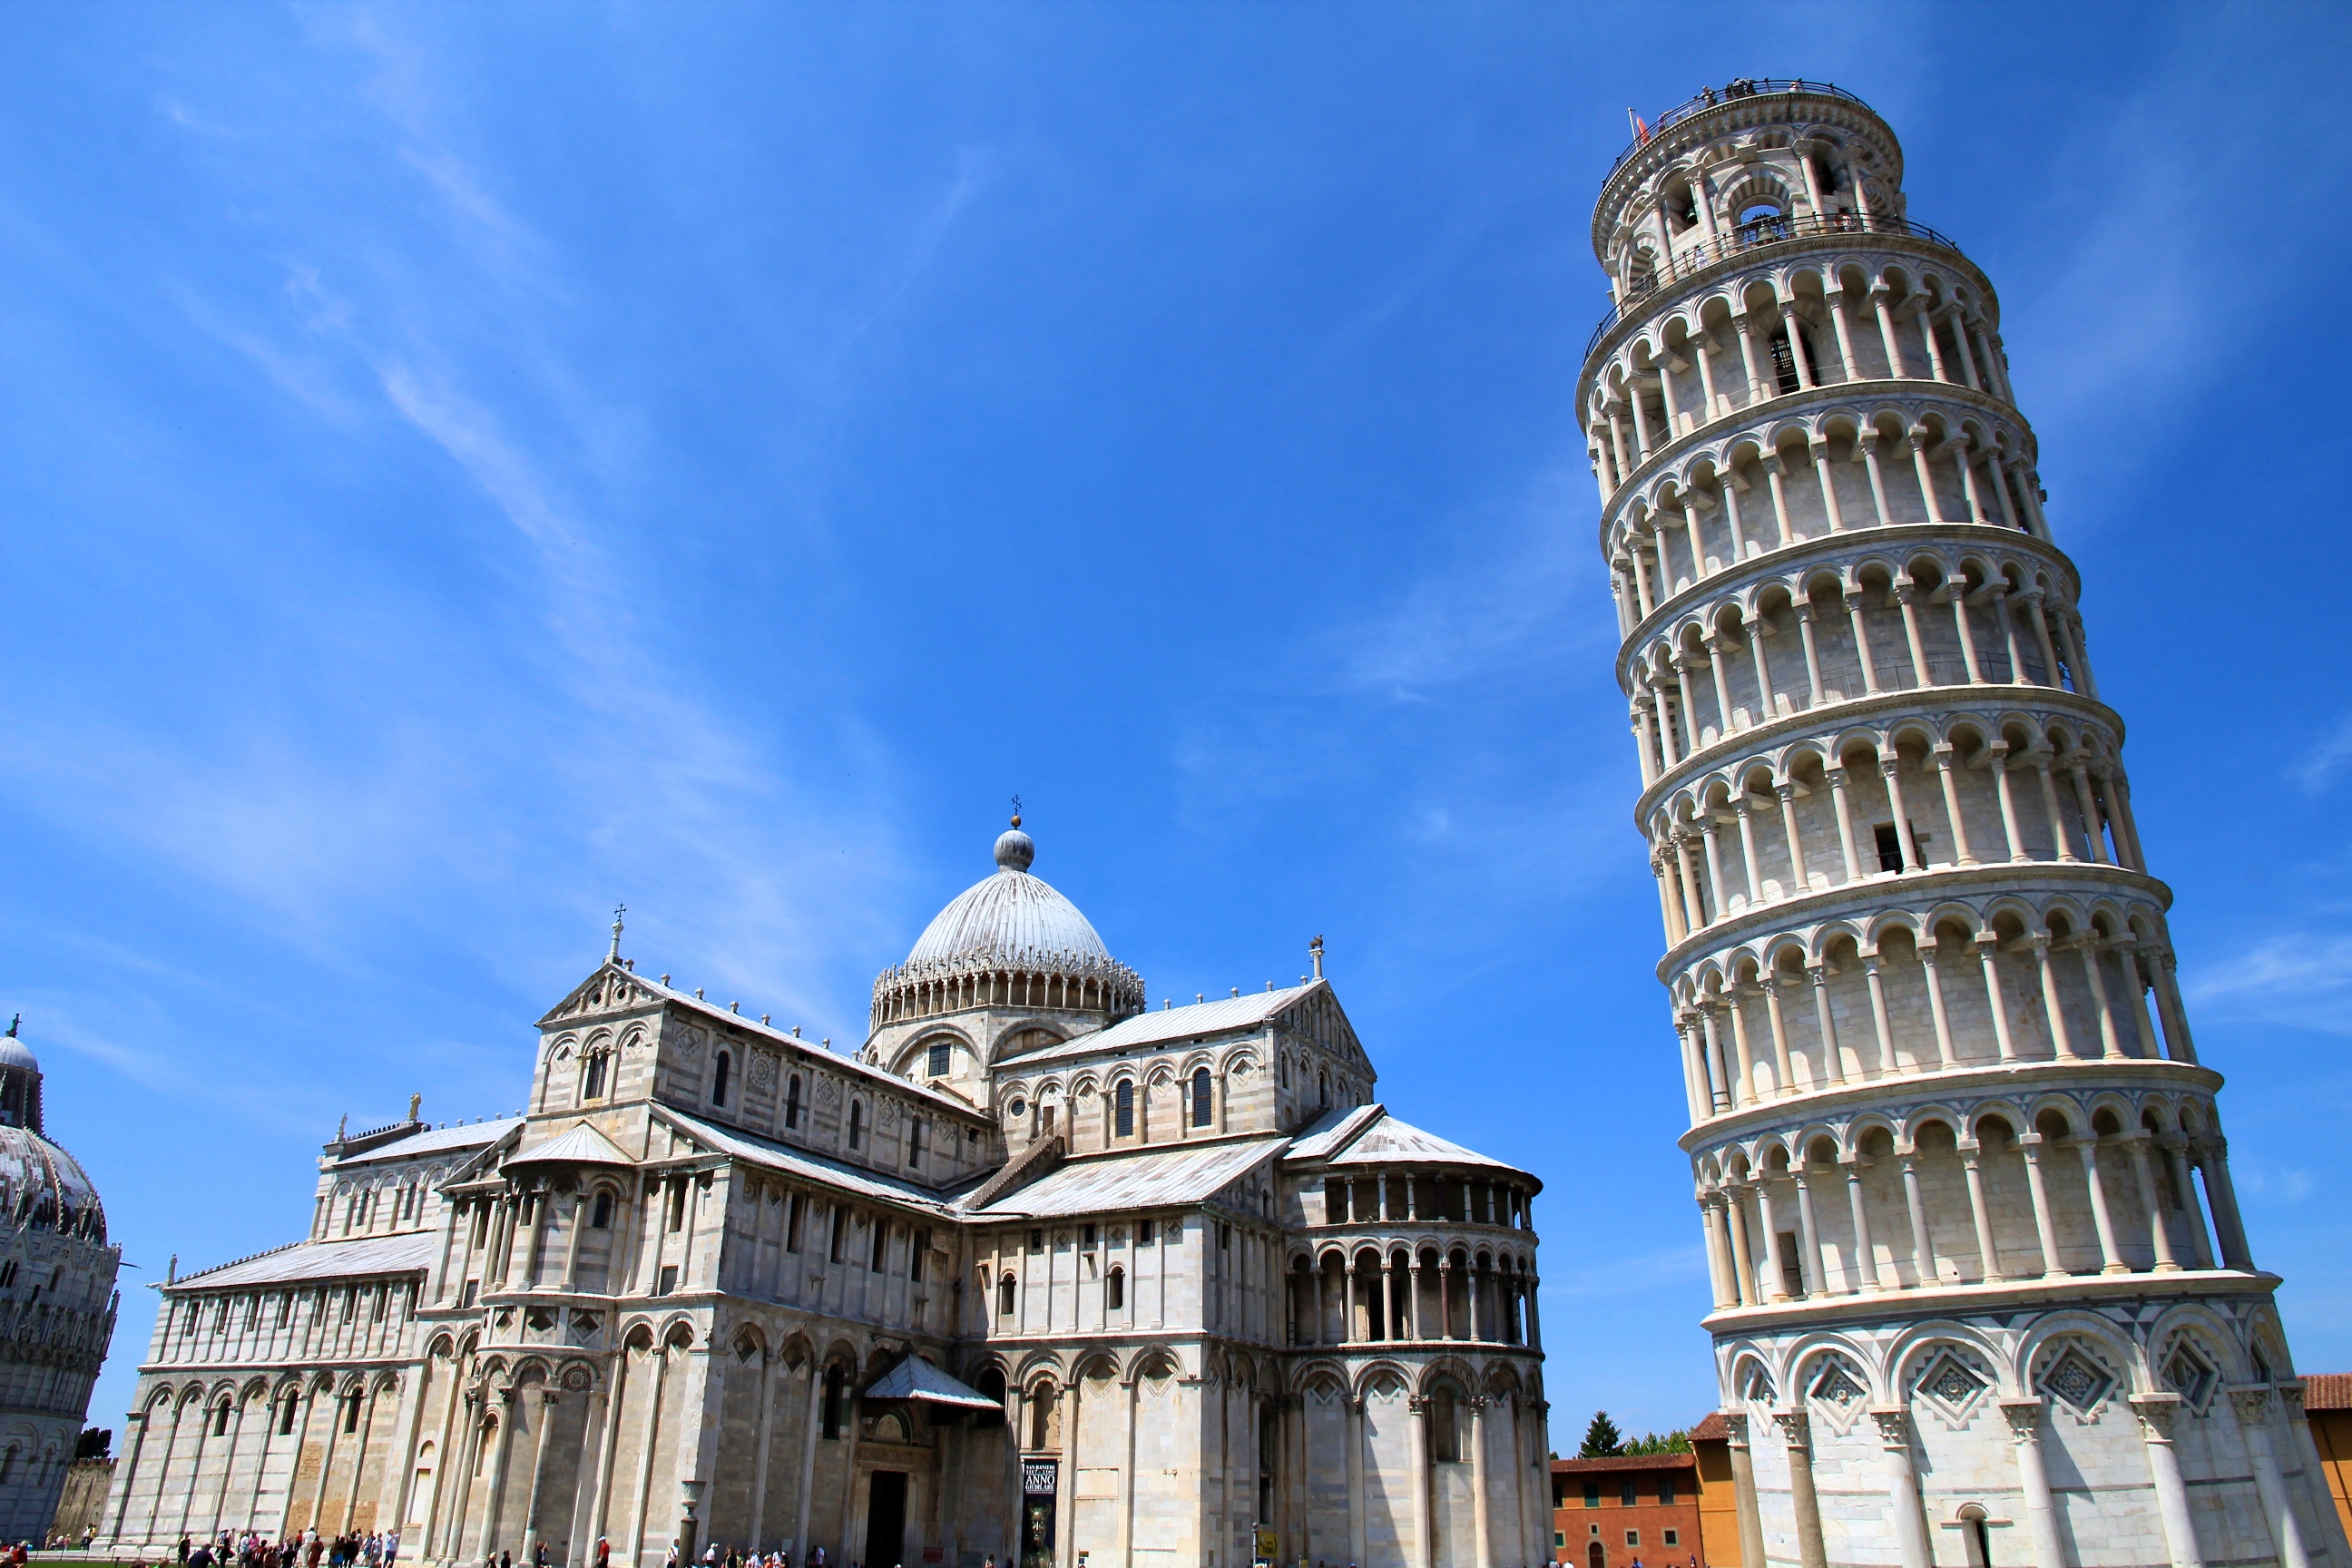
{"points": [[57, 1299]]}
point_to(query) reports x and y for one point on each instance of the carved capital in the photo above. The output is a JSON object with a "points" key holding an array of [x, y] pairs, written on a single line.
{"points": [[2252, 1405], [1894, 1425], [1796, 1427], [1736, 1423], [2025, 1418], [2157, 1413]]}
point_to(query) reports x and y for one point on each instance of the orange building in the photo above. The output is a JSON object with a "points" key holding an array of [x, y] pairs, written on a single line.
{"points": [[2327, 1407], [1642, 1507]]}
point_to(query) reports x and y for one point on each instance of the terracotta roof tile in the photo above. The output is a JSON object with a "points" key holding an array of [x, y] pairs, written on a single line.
{"points": [[2327, 1391], [1624, 1462]]}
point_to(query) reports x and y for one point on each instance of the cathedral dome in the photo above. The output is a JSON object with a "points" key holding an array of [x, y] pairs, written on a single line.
{"points": [[1010, 939], [1009, 913]]}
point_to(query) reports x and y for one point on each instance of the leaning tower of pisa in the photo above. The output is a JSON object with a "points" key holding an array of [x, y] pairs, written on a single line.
{"points": [[1982, 1292]]}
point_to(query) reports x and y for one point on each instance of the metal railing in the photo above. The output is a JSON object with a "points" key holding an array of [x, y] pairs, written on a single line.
{"points": [[1732, 92], [1761, 235]]}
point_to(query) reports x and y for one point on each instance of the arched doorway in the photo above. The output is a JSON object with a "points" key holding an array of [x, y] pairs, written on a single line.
{"points": [[1596, 1556]]}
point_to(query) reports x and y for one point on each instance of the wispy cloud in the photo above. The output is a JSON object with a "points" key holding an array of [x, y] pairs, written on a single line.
{"points": [[2302, 979], [2322, 765]]}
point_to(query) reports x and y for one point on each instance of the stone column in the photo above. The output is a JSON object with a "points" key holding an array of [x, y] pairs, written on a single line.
{"points": [[1127, 1478], [1796, 1432], [2025, 1418], [1065, 1484], [643, 1488], [1808, 1242], [2030, 1145], [2110, 1261], [1351, 1411], [547, 1398], [2160, 1235], [1865, 1254], [768, 1376], [487, 1544], [1485, 1556], [601, 1501], [1743, 1484], [137, 1421], [1424, 1554], [1987, 1255], [2157, 1413], [1894, 1425], [2253, 1406]]}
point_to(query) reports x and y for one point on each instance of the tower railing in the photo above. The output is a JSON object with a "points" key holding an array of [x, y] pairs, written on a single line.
{"points": [[1762, 234], [1732, 91]]}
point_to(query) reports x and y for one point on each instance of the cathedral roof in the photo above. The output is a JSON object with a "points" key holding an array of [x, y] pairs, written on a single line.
{"points": [[581, 1144], [1248, 1011], [434, 1140], [1369, 1135], [412, 1252], [853, 1179], [1171, 1174], [1010, 916]]}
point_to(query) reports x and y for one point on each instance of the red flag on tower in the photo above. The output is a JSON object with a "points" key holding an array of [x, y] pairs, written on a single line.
{"points": [[1641, 131]]}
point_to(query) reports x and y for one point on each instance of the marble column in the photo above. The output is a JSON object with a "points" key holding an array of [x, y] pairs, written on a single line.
{"points": [[1796, 1432], [1894, 1424], [2025, 1418], [2157, 1413]]}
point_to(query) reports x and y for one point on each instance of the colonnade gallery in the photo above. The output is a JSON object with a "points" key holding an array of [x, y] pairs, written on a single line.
{"points": [[1038, 1271]]}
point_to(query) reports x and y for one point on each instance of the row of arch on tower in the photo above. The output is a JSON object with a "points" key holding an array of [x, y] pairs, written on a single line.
{"points": [[1971, 1190], [1714, 678], [1376, 1290], [1753, 177], [1920, 792], [1953, 984], [1833, 470], [1663, 382]]}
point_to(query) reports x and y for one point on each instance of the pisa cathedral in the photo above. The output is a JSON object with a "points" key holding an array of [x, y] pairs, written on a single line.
{"points": [[1039, 1273], [1982, 1292]]}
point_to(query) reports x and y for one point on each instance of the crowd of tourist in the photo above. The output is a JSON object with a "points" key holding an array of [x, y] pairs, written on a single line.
{"points": [[305, 1549]]}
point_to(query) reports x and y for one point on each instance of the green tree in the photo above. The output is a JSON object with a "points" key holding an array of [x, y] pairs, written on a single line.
{"points": [[1601, 1439], [1674, 1442]]}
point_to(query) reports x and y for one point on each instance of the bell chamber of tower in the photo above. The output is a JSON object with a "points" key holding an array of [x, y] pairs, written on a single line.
{"points": [[1961, 1176]]}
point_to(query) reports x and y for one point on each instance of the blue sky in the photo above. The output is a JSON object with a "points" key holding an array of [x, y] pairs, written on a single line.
{"points": [[468, 467]]}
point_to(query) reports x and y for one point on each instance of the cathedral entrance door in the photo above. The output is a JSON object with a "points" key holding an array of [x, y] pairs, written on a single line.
{"points": [[885, 1518]]}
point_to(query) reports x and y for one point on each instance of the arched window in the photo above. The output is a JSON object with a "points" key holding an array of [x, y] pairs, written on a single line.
{"points": [[857, 1124], [351, 1410], [594, 1088], [719, 1079], [1444, 1437], [793, 1102], [1322, 1089], [832, 1418], [220, 1419], [1200, 1097], [915, 1136], [1114, 1290], [1124, 1118], [285, 1414], [1005, 1290], [1041, 1412], [601, 1218]]}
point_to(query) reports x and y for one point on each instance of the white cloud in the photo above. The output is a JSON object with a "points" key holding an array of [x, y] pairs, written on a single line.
{"points": [[2319, 767], [2300, 978]]}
